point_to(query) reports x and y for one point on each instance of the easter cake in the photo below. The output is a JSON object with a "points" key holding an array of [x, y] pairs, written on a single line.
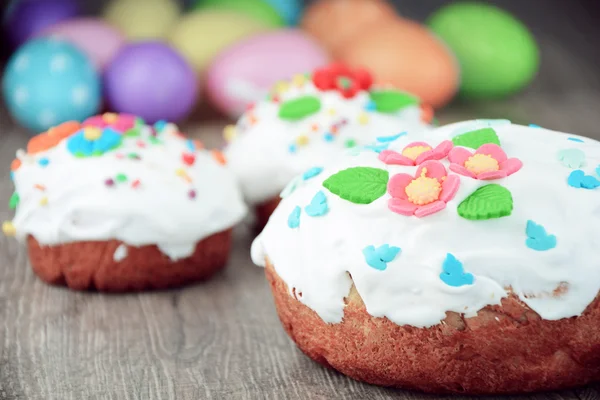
{"points": [[471, 270], [311, 119], [114, 204]]}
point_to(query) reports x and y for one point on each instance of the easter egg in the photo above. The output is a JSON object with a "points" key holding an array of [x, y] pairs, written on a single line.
{"points": [[97, 39], [406, 55], [497, 54], [290, 10], [257, 9], [201, 35], [243, 73], [24, 18], [151, 80], [143, 20], [47, 82], [335, 22]]}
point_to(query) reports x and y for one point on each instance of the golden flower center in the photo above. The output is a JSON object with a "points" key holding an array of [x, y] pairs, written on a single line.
{"points": [[415, 151], [423, 190], [92, 133], [480, 163], [110, 118]]}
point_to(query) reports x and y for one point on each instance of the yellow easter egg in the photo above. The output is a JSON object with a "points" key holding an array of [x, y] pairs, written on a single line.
{"points": [[143, 20], [201, 35]]}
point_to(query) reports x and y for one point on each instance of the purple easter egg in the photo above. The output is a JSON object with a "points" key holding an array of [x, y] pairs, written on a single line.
{"points": [[151, 80], [98, 40], [244, 73], [26, 18]]}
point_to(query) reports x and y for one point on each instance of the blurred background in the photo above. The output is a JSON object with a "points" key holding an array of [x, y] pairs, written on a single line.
{"points": [[201, 63]]}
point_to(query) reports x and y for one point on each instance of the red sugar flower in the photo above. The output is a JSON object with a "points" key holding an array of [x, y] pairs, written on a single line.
{"points": [[489, 162], [425, 193], [416, 153], [343, 79]]}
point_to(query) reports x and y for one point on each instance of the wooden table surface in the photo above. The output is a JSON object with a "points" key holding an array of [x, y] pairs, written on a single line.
{"points": [[222, 339]]}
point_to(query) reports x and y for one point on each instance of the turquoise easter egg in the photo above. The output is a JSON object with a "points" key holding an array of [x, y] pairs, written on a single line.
{"points": [[498, 56], [47, 82]]}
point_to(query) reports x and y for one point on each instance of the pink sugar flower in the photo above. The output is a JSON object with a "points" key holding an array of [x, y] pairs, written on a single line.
{"points": [[487, 163], [423, 194], [119, 122], [416, 153]]}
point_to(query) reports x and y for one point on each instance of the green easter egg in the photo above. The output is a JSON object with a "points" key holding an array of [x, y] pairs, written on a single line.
{"points": [[497, 54], [256, 9]]}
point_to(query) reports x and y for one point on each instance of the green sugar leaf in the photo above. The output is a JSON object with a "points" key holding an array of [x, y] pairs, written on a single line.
{"points": [[487, 202], [296, 109], [390, 101], [14, 201], [475, 139], [359, 185]]}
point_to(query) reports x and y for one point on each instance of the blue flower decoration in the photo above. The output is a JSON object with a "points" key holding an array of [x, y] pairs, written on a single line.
{"points": [[294, 218], [311, 173], [379, 257], [537, 237], [318, 205], [92, 141]]}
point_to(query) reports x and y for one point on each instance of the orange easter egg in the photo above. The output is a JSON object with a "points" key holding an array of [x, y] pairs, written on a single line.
{"points": [[405, 54], [333, 22]]}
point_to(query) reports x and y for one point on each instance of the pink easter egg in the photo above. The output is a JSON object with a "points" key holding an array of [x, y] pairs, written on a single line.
{"points": [[243, 73], [97, 39]]}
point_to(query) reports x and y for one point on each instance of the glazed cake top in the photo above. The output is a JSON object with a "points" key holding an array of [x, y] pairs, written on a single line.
{"points": [[311, 119], [113, 177], [451, 219]]}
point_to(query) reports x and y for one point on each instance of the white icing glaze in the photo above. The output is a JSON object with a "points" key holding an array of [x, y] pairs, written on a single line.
{"points": [[260, 156], [120, 253], [316, 258], [160, 211]]}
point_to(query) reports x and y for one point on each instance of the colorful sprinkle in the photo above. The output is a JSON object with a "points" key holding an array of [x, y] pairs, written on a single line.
{"points": [[9, 229], [43, 162], [15, 164], [292, 148], [230, 133], [141, 144], [572, 158], [328, 137], [121, 178], [379, 257], [537, 238], [350, 143], [134, 156], [573, 139], [385, 139], [160, 125], [191, 146], [219, 157], [311, 173], [136, 184], [534, 126], [154, 140], [12, 175], [359, 185], [192, 194], [294, 218], [578, 179], [453, 273], [14, 201], [318, 205], [371, 106], [188, 159], [363, 118], [302, 140], [332, 111], [43, 201], [109, 182], [39, 186]]}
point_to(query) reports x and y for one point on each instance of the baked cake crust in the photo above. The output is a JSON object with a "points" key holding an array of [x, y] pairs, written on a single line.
{"points": [[504, 349], [92, 265]]}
